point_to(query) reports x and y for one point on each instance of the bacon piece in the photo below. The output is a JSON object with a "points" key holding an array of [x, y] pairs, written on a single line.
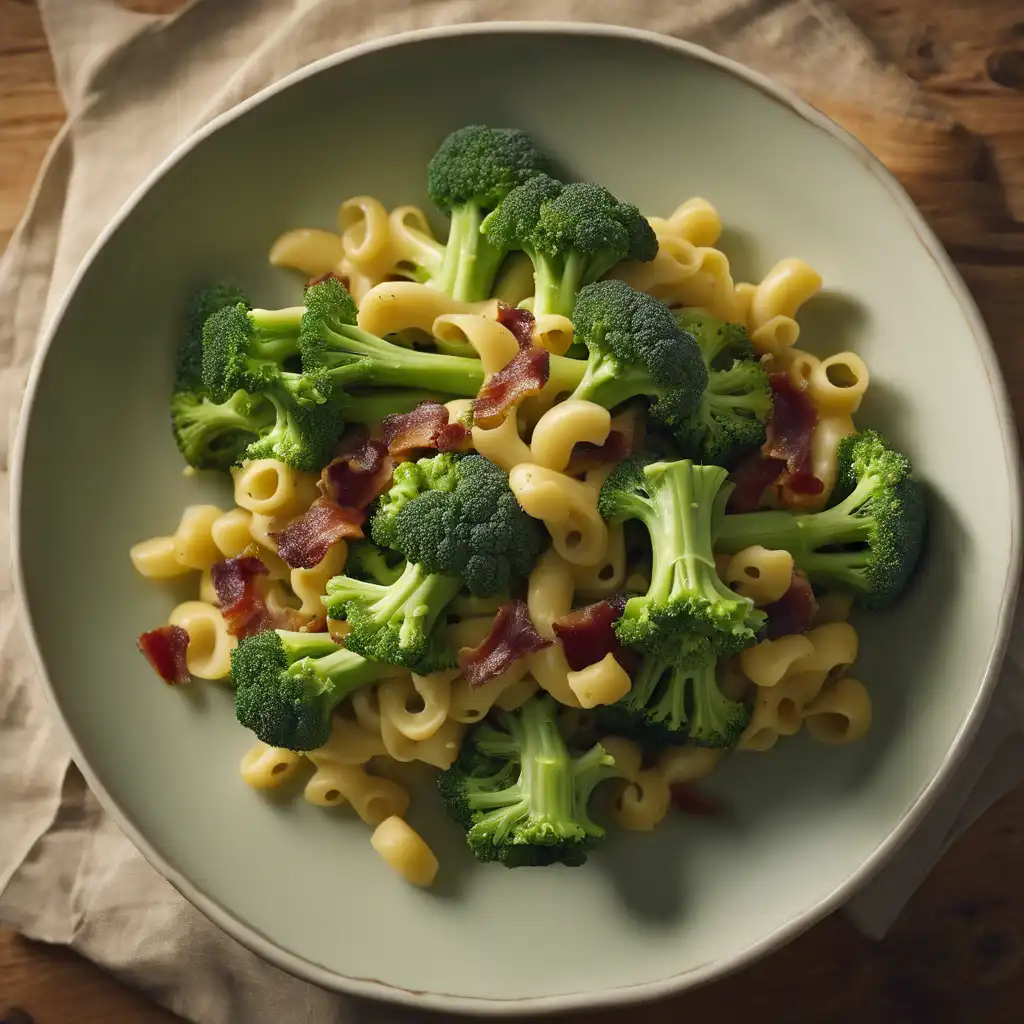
{"points": [[523, 376], [785, 456], [165, 649], [688, 799], [793, 612], [752, 477], [305, 540], [512, 636], [519, 323], [241, 602], [416, 429], [587, 456], [789, 432], [588, 634], [353, 480], [454, 437]]}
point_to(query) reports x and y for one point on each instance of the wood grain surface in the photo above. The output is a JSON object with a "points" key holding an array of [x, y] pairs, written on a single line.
{"points": [[957, 953]]}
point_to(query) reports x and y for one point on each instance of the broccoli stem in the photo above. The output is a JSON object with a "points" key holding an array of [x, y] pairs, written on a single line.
{"points": [[802, 535], [278, 337], [372, 406], [544, 791], [393, 365], [418, 597], [470, 261], [340, 673]]}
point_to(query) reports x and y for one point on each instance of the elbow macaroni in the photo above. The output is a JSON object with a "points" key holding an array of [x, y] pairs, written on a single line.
{"points": [[209, 642], [405, 851], [567, 507]]}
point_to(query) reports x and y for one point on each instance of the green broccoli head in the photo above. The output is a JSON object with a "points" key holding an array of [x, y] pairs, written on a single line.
{"points": [[249, 350], [868, 542], [521, 794], [721, 343], [203, 303], [288, 684], [513, 225], [587, 220], [302, 436], [669, 704], [456, 515], [479, 165], [470, 174], [732, 415], [635, 350], [574, 234], [677, 502], [215, 435]]}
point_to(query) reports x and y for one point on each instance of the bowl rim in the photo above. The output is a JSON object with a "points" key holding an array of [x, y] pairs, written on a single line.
{"points": [[624, 995]]}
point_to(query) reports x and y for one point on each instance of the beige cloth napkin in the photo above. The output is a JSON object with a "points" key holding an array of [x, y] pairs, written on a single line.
{"points": [[135, 86]]}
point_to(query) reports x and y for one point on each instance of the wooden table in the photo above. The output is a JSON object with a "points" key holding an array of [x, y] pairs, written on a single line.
{"points": [[957, 953]]}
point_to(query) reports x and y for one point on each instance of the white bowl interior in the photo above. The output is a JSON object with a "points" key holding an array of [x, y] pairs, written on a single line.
{"points": [[101, 471]]}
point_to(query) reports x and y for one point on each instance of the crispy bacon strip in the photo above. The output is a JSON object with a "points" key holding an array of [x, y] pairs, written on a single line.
{"points": [[523, 376], [512, 636], [789, 432], [793, 612], [518, 322], [416, 429], [165, 649], [688, 799], [785, 456], [305, 540], [454, 437], [588, 634], [354, 479], [241, 602]]}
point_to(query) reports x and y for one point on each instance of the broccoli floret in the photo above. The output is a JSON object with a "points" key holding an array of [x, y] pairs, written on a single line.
{"points": [[573, 234], [686, 601], [721, 343], [211, 434], [338, 354], [868, 542], [457, 515], [288, 684], [737, 402], [635, 349], [521, 794], [251, 351], [396, 623], [367, 561], [470, 174], [215, 435], [670, 704], [302, 435], [202, 305]]}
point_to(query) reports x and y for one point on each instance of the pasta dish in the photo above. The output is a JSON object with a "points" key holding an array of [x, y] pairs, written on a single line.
{"points": [[553, 509]]}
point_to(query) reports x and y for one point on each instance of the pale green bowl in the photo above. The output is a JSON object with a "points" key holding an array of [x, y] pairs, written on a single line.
{"points": [[96, 469]]}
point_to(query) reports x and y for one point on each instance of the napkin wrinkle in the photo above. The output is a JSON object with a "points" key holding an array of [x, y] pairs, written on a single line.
{"points": [[135, 86], [83, 34]]}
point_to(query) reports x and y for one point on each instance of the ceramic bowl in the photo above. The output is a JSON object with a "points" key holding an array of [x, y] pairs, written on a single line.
{"points": [[96, 470]]}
